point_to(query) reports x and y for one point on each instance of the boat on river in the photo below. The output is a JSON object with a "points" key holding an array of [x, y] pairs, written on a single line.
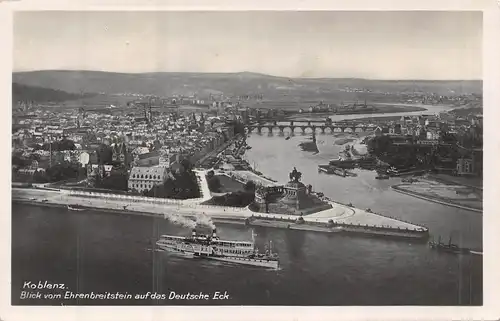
{"points": [[449, 247], [75, 207], [333, 170], [211, 247]]}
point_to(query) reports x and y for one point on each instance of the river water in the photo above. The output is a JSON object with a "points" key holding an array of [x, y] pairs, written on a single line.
{"points": [[99, 252]]}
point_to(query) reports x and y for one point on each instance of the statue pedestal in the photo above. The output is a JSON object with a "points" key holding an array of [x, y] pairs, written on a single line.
{"points": [[294, 193]]}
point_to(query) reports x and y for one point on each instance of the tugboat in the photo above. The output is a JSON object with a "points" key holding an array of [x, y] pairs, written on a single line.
{"points": [[211, 247], [450, 247]]}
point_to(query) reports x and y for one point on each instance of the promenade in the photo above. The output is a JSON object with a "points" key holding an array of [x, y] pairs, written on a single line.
{"points": [[169, 209]]}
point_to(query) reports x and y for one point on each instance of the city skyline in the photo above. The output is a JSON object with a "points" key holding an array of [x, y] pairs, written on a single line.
{"points": [[370, 45]]}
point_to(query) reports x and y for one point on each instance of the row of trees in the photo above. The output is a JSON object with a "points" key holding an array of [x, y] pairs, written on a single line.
{"points": [[59, 172], [241, 198], [116, 180]]}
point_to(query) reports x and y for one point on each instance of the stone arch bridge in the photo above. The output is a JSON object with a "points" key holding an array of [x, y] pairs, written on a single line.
{"points": [[314, 126]]}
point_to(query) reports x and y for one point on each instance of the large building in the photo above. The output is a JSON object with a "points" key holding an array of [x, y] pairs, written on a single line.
{"points": [[144, 178]]}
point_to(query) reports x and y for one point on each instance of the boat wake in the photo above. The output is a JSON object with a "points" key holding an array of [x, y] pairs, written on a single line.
{"points": [[476, 252], [368, 185], [154, 250]]}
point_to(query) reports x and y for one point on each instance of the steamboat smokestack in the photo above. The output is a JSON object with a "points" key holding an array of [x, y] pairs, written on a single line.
{"points": [[193, 233], [214, 233]]}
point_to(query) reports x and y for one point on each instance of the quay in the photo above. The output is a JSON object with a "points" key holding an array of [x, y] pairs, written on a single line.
{"points": [[339, 218]]}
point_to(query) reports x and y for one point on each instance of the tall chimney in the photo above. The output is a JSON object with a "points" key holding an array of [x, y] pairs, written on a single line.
{"points": [[214, 233], [194, 233]]}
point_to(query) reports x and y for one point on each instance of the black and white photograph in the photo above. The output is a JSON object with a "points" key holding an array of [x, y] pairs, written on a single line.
{"points": [[247, 158]]}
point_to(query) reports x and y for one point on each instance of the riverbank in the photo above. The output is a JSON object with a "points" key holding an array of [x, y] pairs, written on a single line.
{"points": [[379, 109], [351, 219], [458, 196]]}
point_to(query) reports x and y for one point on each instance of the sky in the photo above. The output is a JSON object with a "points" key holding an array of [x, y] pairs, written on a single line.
{"points": [[335, 44]]}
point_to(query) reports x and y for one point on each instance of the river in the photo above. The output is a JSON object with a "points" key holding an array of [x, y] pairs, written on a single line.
{"points": [[95, 251]]}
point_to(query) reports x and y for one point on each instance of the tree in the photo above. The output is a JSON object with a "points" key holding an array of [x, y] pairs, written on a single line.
{"points": [[104, 155], [186, 164], [446, 137], [19, 161], [214, 184], [62, 171], [66, 144], [116, 180], [39, 177], [249, 186]]}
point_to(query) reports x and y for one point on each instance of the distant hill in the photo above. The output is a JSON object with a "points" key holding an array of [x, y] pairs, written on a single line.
{"points": [[244, 83], [22, 92]]}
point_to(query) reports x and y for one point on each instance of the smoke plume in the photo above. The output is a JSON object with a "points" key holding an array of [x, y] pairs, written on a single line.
{"points": [[203, 219], [180, 220]]}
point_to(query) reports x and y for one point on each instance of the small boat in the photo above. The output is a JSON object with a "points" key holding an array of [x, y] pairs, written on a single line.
{"points": [[75, 207], [287, 138], [382, 176], [343, 161], [332, 170]]}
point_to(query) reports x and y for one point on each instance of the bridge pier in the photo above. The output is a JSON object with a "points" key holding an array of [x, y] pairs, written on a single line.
{"points": [[323, 128], [259, 129], [303, 129], [281, 129]]}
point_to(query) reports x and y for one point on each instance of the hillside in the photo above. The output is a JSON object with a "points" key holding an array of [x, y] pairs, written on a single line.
{"points": [[22, 92], [245, 83]]}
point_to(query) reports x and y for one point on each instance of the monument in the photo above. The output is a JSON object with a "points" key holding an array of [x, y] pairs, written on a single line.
{"points": [[294, 192]]}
